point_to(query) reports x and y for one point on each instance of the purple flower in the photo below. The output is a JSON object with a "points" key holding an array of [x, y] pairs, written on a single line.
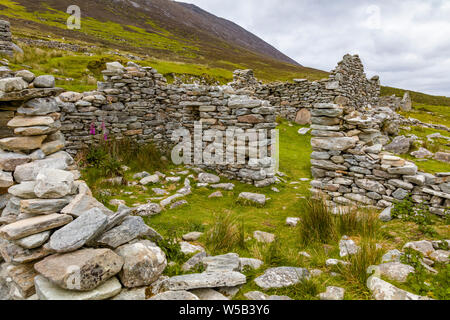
{"points": [[103, 126], [92, 129], [105, 137]]}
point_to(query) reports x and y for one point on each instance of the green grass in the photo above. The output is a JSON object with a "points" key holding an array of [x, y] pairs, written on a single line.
{"points": [[201, 214], [434, 114]]}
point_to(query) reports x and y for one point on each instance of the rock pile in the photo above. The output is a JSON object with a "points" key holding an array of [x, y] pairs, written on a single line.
{"points": [[350, 166], [56, 239]]}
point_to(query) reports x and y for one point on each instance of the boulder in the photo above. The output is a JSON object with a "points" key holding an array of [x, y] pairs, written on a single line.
{"points": [[424, 247], [46, 81], [264, 237], [13, 84], [194, 261], [82, 270], [80, 231], [259, 199], [422, 153], [281, 277], [250, 263], [208, 178], [131, 228], [400, 145], [188, 248], [144, 263], [83, 203], [303, 117], [205, 280], [333, 293], [6, 179], [49, 291], [149, 179], [13, 253], [382, 290], [227, 262], [395, 271], [192, 236], [147, 210], [29, 171]]}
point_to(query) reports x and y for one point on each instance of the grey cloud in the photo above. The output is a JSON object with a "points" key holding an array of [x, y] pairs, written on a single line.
{"points": [[408, 49]]}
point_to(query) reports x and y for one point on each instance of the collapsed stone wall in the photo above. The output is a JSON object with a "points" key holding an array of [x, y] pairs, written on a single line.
{"points": [[137, 102], [6, 44], [350, 167], [347, 84]]}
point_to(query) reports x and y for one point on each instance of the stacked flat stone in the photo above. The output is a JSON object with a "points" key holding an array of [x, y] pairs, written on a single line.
{"points": [[6, 46], [244, 79], [56, 240], [137, 102], [294, 100], [350, 167]]}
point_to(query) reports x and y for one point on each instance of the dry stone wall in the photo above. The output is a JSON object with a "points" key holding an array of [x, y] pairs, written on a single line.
{"points": [[347, 84], [6, 44], [350, 166], [137, 102]]}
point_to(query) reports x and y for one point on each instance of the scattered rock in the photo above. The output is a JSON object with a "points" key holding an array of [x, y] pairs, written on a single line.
{"points": [[192, 236], [205, 280], [259, 199], [333, 293], [188, 248], [265, 237], [281, 277], [208, 178], [175, 295]]}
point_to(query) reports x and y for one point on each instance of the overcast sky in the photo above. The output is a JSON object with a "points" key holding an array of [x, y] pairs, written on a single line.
{"points": [[406, 42]]}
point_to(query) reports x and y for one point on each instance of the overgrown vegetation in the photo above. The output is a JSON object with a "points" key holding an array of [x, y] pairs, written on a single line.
{"points": [[225, 234], [408, 211]]}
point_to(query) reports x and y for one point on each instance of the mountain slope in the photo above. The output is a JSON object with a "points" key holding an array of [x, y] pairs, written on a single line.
{"points": [[158, 28]]}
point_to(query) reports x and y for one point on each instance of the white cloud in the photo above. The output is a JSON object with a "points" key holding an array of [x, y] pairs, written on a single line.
{"points": [[406, 42]]}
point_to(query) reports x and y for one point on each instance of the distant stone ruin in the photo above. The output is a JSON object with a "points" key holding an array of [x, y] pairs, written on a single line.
{"points": [[6, 44]]}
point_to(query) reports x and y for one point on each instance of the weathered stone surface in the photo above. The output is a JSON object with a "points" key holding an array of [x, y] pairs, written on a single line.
{"points": [[333, 293], [334, 144], [46, 81], [281, 277], [29, 171], [422, 153], [303, 117], [10, 160], [22, 143], [53, 183], [24, 190], [250, 263], [424, 247], [149, 179], [131, 228], [227, 262], [6, 179], [194, 261], [39, 107], [265, 237], [83, 203], [136, 294], [147, 210], [409, 169], [80, 231], [34, 241], [442, 156], [385, 216], [25, 121], [42, 206], [175, 295], [28, 227], [209, 294], [259, 199], [13, 253], [205, 280], [400, 145], [395, 271], [347, 247], [208, 178], [188, 248], [371, 185], [49, 291], [26, 75], [192, 236], [440, 256], [144, 263], [13, 84], [82, 270], [382, 290], [21, 284]]}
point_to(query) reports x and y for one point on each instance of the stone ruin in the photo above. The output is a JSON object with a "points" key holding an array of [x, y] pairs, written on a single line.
{"points": [[59, 242], [6, 44], [351, 167]]}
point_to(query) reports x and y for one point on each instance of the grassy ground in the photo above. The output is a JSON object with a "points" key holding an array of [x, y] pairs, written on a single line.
{"points": [[434, 114], [439, 145], [203, 214]]}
